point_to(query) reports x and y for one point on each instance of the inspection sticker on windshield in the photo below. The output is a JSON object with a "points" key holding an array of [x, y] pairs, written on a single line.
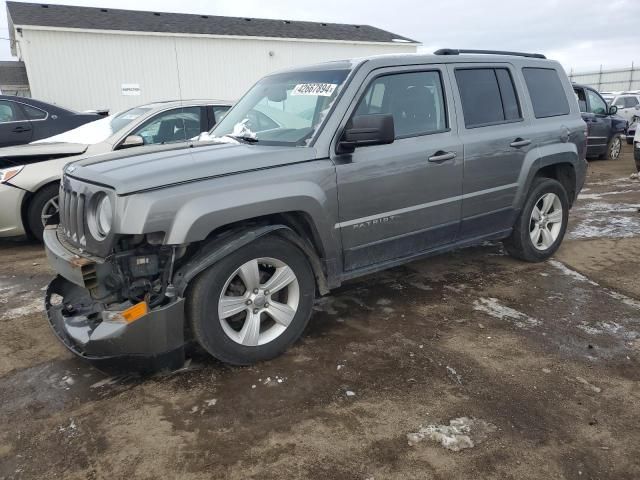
{"points": [[317, 89]]}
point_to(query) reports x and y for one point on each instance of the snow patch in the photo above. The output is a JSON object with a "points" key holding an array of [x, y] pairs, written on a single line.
{"points": [[590, 386], [33, 306], [630, 302], [461, 433], [609, 328], [272, 382], [597, 196], [608, 220], [571, 273], [491, 306], [455, 375]]}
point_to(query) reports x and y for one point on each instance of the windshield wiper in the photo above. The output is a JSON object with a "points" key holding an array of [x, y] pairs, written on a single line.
{"points": [[244, 138]]}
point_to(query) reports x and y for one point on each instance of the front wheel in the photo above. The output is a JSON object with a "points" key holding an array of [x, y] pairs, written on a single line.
{"points": [[540, 228], [43, 205], [253, 304], [614, 148]]}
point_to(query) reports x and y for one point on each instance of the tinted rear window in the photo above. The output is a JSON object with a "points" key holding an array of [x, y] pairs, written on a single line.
{"points": [[488, 96], [546, 92]]}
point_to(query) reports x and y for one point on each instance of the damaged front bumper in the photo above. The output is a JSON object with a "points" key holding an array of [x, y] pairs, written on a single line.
{"points": [[95, 331]]}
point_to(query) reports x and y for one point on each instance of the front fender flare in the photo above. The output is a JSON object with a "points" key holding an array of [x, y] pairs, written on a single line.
{"points": [[214, 250]]}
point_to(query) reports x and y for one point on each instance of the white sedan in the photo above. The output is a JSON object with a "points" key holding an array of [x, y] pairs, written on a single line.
{"points": [[30, 174]]}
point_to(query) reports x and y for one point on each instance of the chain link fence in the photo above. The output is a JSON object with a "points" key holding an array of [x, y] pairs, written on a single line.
{"points": [[609, 80]]}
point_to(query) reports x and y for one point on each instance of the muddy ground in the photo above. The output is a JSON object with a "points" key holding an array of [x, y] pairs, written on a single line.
{"points": [[545, 356]]}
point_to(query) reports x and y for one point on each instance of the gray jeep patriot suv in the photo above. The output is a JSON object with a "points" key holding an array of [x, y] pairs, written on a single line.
{"points": [[316, 176]]}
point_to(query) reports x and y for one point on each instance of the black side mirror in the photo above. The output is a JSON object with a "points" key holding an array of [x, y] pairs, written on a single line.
{"points": [[613, 110], [363, 130]]}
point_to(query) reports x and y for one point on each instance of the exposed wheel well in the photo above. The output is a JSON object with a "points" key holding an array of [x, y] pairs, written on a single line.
{"points": [[26, 201], [564, 173]]}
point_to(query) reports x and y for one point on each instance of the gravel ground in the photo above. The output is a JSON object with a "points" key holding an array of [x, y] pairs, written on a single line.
{"points": [[468, 365]]}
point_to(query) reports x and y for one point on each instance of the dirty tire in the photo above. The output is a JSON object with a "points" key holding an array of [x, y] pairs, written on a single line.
{"points": [[614, 149], [204, 294], [34, 212], [519, 243]]}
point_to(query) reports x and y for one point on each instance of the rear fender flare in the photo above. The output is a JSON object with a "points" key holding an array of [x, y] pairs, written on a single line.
{"points": [[545, 156]]}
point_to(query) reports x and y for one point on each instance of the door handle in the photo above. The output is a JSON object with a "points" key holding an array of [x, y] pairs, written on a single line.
{"points": [[21, 129], [441, 156], [520, 142]]}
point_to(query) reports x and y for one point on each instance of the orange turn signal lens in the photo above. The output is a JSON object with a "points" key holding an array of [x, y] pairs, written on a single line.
{"points": [[135, 312]]}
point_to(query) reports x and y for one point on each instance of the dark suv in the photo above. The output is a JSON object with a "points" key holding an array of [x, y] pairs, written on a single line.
{"points": [[604, 126], [363, 165]]}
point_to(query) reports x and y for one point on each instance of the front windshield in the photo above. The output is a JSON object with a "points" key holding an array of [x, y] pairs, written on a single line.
{"points": [[283, 109], [99, 130]]}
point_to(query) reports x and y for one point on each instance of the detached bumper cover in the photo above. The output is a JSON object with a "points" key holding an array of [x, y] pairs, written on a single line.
{"points": [[151, 342], [77, 320], [159, 331]]}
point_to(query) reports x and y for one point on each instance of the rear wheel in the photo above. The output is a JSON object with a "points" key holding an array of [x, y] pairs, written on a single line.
{"points": [[254, 303], [542, 223], [43, 205]]}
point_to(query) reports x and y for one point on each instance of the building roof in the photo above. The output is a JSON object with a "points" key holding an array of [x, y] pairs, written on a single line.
{"points": [[92, 18], [13, 73]]}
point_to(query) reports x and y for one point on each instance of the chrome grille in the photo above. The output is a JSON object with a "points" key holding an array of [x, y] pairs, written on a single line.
{"points": [[72, 206]]}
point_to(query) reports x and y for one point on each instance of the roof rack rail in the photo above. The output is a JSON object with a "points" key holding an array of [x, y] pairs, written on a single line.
{"points": [[453, 51]]}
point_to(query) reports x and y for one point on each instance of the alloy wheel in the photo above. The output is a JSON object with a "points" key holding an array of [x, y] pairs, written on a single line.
{"points": [[616, 146], [49, 209], [258, 301], [546, 221]]}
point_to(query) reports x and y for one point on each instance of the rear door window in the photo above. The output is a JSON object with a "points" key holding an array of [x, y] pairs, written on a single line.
{"points": [[546, 91], [488, 96], [630, 102], [9, 112]]}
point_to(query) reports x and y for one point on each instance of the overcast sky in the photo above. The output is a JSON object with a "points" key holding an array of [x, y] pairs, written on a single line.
{"points": [[580, 34]]}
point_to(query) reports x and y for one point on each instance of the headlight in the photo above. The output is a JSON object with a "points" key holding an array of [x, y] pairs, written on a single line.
{"points": [[100, 216], [8, 173]]}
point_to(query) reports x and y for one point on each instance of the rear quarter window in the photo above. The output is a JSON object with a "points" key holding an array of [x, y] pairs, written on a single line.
{"points": [[34, 113], [546, 92]]}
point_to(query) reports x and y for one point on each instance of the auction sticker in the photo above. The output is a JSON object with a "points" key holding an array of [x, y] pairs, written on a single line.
{"points": [[317, 89]]}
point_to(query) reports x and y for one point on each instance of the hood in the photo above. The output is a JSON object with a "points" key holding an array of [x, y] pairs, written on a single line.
{"points": [[144, 168], [34, 153]]}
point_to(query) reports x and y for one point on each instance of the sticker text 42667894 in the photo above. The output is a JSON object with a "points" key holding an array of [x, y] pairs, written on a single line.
{"points": [[317, 89]]}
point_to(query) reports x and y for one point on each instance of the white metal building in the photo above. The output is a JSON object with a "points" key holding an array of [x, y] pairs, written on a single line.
{"points": [[86, 58]]}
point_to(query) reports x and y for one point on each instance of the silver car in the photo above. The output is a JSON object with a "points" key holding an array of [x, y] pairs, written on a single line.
{"points": [[30, 174]]}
